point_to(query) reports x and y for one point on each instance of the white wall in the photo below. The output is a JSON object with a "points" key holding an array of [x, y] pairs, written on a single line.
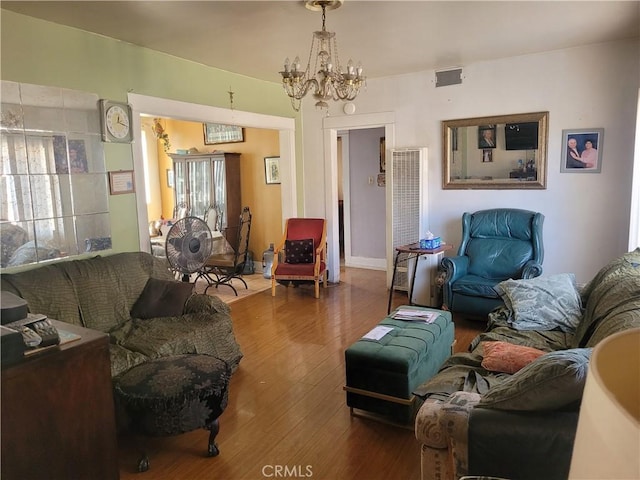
{"points": [[587, 215]]}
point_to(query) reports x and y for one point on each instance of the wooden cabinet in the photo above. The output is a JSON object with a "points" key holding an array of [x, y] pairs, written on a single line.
{"points": [[58, 419], [209, 179]]}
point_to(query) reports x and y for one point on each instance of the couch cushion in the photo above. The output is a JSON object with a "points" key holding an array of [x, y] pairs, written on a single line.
{"points": [[498, 258], [543, 303], [551, 382], [162, 298], [612, 301], [137, 268], [100, 292], [476, 286], [122, 359], [47, 290], [206, 333], [108, 287], [507, 357]]}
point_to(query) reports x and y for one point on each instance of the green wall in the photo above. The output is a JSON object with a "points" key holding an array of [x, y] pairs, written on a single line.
{"points": [[43, 53]]}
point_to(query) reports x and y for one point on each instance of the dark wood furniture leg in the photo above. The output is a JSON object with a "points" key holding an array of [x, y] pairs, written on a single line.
{"points": [[213, 449], [393, 279]]}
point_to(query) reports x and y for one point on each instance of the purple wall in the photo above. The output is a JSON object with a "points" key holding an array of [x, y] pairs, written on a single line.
{"points": [[367, 200]]}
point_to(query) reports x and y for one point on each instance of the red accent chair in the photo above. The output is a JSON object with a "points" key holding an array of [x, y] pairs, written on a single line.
{"points": [[305, 260]]}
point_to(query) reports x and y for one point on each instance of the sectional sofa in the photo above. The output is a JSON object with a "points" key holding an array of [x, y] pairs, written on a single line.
{"points": [[509, 407], [134, 298]]}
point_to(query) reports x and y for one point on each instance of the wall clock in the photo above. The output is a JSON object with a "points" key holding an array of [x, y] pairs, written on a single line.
{"points": [[115, 122]]}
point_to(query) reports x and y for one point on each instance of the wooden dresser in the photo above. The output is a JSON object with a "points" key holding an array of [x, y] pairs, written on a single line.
{"points": [[58, 418]]}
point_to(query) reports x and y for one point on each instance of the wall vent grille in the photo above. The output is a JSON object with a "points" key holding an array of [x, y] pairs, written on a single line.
{"points": [[406, 183], [445, 78]]}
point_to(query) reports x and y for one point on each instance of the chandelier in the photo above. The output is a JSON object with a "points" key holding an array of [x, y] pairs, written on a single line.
{"points": [[328, 80]]}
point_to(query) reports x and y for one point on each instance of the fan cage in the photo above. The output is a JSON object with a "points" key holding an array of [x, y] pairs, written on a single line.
{"points": [[188, 245]]}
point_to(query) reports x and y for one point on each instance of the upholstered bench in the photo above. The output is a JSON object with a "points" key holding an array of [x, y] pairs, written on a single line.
{"points": [[381, 374], [173, 395]]}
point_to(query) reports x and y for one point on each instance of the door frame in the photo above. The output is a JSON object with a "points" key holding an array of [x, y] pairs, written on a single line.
{"points": [[162, 107], [331, 126]]}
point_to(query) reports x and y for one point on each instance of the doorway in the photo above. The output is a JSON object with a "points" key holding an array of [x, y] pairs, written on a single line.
{"points": [[331, 127], [160, 107]]}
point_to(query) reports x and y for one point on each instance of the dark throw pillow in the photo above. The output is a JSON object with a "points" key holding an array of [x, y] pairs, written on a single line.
{"points": [[299, 251], [162, 298]]}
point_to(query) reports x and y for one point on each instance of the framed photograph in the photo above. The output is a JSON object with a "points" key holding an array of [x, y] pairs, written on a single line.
{"points": [[76, 161], [383, 155], [487, 155], [170, 178], [486, 136], [77, 156], [272, 170], [215, 133], [582, 150], [382, 180], [121, 182]]}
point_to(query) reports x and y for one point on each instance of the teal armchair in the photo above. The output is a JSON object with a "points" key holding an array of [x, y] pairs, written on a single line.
{"points": [[496, 245]]}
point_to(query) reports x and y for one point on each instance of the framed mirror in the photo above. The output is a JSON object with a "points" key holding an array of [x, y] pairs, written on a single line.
{"points": [[499, 152]]}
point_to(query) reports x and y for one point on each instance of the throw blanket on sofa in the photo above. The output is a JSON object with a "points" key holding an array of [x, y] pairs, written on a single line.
{"points": [[464, 372]]}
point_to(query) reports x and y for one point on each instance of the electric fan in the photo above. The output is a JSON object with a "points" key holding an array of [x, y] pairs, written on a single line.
{"points": [[188, 246]]}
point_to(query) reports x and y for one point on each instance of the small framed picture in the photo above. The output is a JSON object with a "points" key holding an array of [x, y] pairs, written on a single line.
{"points": [[121, 182], [272, 170], [170, 178], [215, 133], [383, 155], [487, 155], [582, 150], [487, 136]]}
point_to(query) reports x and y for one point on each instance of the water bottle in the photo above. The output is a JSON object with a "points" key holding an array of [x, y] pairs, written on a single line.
{"points": [[267, 261]]}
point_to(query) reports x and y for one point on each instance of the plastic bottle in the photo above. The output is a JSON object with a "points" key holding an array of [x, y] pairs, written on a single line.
{"points": [[267, 261]]}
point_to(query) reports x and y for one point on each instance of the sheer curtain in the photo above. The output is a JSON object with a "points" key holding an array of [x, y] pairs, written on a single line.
{"points": [[53, 185]]}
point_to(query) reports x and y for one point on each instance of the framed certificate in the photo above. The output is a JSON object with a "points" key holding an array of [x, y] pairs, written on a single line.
{"points": [[121, 182]]}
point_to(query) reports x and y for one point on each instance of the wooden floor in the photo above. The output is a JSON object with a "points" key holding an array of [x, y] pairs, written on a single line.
{"points": [[287, 412]]}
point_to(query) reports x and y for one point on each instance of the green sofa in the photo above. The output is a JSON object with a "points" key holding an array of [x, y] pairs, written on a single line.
{"points": [[478, 419], [135, 299]]}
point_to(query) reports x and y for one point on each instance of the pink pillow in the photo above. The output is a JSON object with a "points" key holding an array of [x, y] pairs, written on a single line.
{"points": [[507, 357]]}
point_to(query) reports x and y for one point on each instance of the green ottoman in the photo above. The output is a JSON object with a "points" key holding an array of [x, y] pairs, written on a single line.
{"points": [[381, 374]]}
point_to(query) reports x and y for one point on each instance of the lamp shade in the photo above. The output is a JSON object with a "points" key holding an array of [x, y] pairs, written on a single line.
{"points": [[607, 444]]}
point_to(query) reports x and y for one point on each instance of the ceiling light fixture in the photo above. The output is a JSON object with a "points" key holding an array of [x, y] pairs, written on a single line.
{"points": [[328, 80]]}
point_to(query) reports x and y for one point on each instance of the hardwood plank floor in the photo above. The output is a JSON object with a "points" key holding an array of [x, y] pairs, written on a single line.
{"points": [[287, 416]]}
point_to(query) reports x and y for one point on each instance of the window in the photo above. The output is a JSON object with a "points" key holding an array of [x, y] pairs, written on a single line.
{"points": [[53, 186]]}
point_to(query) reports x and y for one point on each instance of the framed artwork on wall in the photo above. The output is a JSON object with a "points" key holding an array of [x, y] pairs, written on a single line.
{"points": [[121, 182], [383, 155], [215, 133], [582, 151], [272, 170], [486, 136]]}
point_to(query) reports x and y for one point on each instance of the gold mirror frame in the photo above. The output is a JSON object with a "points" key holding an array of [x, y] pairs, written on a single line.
{"points": [[517, 169]]}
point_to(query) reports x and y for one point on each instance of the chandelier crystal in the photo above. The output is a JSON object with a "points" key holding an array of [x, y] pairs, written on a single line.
{"points": [[328, 80]]}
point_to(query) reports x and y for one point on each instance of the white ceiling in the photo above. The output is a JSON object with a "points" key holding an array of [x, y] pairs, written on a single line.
{"points": [[389, 37]]}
